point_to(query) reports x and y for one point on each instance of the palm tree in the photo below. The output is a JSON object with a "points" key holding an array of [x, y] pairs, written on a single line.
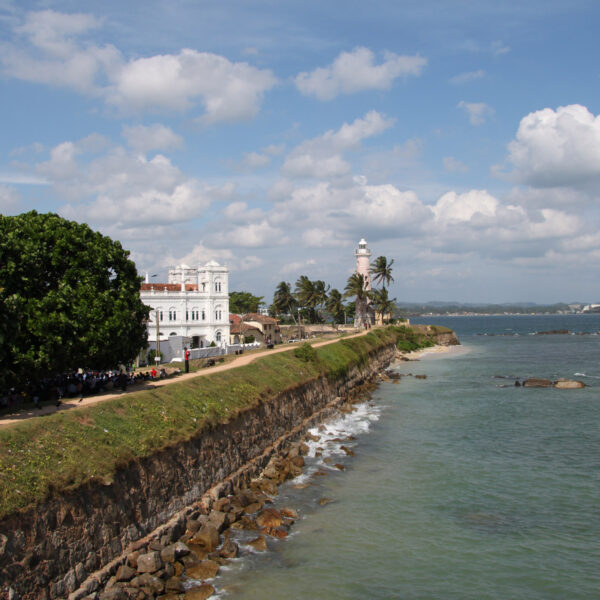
{"points": [[335, 306], [382, 271], [284, 301], [384, 306], [356, 287], [320, 290], [307, 296]]}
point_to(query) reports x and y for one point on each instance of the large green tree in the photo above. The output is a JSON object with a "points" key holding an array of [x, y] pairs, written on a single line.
{"points": [[284, 301], [69, 297], [244, 302]]}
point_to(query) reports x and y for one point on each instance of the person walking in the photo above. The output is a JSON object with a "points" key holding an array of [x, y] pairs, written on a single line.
{"points": [[187, 360]]}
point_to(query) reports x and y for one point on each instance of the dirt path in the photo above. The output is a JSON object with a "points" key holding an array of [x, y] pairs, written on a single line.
{"points": [[70, 403]]}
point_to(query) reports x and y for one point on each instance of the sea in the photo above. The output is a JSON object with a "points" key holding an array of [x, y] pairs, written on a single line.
{"points": [[462, 485]]}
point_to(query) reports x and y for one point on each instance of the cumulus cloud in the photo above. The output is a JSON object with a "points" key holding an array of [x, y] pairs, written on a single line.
{"points": [[56, 55], [322, 157], [556, 148], [144, 138], [356, 71], [228, 91], [477, 111]]}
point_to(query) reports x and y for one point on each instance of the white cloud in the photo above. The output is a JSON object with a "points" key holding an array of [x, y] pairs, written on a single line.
{"points": [[356, 71], [254, 160], [467, 77], [453, 165], [9, 200], [248, 235], [229, 91], [145, 138], [477, 111], [557, 147], [56, 56], [322, 157]]}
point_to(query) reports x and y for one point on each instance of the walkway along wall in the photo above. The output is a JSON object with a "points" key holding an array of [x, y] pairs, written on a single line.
{"points": [[48, 551]]}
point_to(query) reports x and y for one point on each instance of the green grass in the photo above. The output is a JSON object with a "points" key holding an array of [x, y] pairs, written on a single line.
{"points": [[59, 452]]}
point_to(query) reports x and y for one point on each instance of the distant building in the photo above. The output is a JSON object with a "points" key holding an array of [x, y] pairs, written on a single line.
{"points": [[364, 314], [262, 328], [193, 303]]}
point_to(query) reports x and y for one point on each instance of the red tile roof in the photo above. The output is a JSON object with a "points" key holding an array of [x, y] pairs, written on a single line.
{"points": [[260, 319], [168, 287]]}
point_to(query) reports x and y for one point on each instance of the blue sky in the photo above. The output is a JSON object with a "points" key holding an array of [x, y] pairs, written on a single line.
{"points": [[460, 138]]}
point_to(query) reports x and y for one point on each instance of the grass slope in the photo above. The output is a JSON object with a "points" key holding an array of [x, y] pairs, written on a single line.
{"points": [[62, 451]]}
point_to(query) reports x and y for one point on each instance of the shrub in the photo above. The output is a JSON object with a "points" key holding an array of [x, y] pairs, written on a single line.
{"points": [[306, 353]]}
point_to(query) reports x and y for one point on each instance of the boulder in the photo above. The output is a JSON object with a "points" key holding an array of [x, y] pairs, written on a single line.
{"points": [[568, 384], [259, 543], [150, 582], [197, 551], [172, 552], [174, 584], [324, 501], [276, 532], [125, 573], [536, 382], [207, 537], [201, 592], [218, 519], [339, 467], [222, 504], [229, 549], [252, 508], [132, 559], [149, 563], [207, 569], [291, 513], [347, 450], [303, 449], [269, 517]]}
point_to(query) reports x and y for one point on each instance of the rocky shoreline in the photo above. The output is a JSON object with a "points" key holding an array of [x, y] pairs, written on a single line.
{"points": [[180, 560]]}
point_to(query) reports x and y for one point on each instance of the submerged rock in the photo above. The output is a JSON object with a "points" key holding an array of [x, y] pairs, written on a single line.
{"points": [[200, 593], [536, 382], [259, 543], [568, 384]]}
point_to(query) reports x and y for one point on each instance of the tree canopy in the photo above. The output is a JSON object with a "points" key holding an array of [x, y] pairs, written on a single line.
{"points": [[244, 302], [69, 298]]}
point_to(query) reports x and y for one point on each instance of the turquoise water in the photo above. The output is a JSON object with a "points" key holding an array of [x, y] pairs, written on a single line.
{"points": [[462, 485]]}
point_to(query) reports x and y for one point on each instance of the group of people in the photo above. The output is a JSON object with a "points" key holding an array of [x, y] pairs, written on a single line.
{"points": [[78, 384]]}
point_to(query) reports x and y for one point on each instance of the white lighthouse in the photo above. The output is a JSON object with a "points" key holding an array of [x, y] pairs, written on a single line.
{"points": [[364, 313]]}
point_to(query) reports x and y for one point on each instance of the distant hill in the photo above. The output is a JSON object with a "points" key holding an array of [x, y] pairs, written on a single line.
{"points": [[525, 308]]}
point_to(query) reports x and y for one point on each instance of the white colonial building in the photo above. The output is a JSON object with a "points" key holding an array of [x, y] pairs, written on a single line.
{"points": [[194, 303]]}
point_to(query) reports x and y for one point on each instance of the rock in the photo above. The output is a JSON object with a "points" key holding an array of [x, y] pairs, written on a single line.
{"points": [[222, 505], [149, 563], [339, 467], [207, 569], [303, 449], [132, 559], [347, 450], [324, 501], [276, 532], [252, 508], [535, 382], [172, 552], [207, 537], [200, 593], [517, 383], [312, 437], [568, 384], [320, 474], [174, 584], [291, 513], [196, 551], [301, 486], [328, 460], [178, 569], [297, 461], [154, 584], [267, 486], [229, 549], [115, 593], [259, 543], [218, 519], [269, 517], [125, 573], [420, 376]]}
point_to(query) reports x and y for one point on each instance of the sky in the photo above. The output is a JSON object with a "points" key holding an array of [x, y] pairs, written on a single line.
{"points": [[461, 139]]}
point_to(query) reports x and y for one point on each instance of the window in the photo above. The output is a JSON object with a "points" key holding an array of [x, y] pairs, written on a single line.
{"points": [[218, 336], [203, 315], [187, 317], [172, 314], [160, 315], [217, 286], [217, 315]]}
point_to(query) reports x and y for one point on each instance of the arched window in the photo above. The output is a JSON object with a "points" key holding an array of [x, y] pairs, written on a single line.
{"points": [[218, 336], [173, 333], [172, 314], [203, 315], [160, 315]]}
